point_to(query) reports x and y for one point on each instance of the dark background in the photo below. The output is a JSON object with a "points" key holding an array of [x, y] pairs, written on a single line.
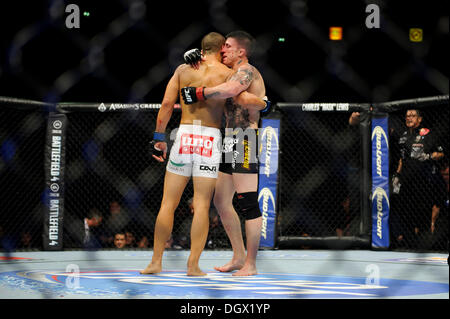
{"points": [[126, 50]]}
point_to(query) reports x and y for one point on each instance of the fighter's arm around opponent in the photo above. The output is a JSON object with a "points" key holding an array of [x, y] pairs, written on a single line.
{"points": [[235, 87], [238, 83]]}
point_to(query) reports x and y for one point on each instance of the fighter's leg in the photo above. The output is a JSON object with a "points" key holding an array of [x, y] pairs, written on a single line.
{"points": [[203, 192], [246, 188], [174, 186], [223, 201]]}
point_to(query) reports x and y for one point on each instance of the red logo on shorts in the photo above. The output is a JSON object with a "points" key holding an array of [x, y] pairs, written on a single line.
{"points": [[196, 144]]}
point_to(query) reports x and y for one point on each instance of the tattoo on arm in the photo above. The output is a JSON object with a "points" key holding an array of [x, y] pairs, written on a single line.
{"points": [[212, 95], [244, 76]]}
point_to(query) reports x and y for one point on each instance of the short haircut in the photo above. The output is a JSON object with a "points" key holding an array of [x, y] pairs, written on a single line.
{"points": [[212, 42], [419, 114], [244, 39]]}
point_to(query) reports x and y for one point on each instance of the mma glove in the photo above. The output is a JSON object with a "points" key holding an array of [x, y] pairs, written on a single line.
{"points": [[157, 137], [268, 109], [193, 94], [192, 57]]}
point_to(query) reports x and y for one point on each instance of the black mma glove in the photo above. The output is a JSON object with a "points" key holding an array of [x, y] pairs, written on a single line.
{"points": [[192, 56], [268, 109], [157, 137], [192, 94]]}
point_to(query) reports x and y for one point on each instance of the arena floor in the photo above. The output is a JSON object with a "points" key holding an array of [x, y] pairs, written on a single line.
{"points": [[283, 274]]}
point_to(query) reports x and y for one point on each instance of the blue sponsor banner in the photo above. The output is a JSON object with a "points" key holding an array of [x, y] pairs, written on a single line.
{"points": [[380, 182], [269, 144]]}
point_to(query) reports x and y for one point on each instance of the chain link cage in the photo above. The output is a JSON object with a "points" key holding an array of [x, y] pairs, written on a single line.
{"points": [[319, 186], [109, 173], [22, 136]]}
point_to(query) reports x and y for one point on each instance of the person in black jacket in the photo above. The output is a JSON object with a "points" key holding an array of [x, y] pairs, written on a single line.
{"points": [[415, 178]]}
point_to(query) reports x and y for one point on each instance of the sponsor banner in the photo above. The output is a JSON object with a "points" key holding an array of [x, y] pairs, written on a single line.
{"points": [[54, 179], [269, 141], [110, 107], [380, 182], [117, 107], [324, 107]]}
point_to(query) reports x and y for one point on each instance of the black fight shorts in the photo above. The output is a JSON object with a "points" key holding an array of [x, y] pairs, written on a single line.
{"points": [[239, 153]]}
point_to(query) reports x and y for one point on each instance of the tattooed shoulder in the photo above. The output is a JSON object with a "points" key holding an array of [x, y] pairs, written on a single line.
{"points": [[244, 75]]}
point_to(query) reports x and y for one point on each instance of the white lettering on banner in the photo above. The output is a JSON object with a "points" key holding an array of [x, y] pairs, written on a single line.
{"points": [[54, 187], [342, 107], [310, 107], [55, 157], [265, 194], [378, 133], [325, 106], [270, 133], [122, 106], [380, 194], [53, 219]]}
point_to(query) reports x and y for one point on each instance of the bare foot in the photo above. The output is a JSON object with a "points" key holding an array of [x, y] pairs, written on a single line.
{"points": [[230, 266], [247, 270], [195, 271], [152, 269]]}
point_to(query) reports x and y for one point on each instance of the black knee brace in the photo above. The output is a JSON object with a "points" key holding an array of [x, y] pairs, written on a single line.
{"points": [[248, 202]]}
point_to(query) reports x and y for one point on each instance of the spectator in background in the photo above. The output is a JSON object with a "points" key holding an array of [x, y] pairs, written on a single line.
{"points": [[343, 216], [6, 242], [117, 220], [82, 233], [216, 234], [415, 179], [120, 240], [130, 239], [143, 242], [26, 240]]}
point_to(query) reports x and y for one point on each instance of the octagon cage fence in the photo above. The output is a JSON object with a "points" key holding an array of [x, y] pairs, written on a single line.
{"points": [[61, 163]]}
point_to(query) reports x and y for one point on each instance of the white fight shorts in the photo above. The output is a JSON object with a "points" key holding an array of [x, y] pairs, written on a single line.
{"points": [[196, 151]]}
